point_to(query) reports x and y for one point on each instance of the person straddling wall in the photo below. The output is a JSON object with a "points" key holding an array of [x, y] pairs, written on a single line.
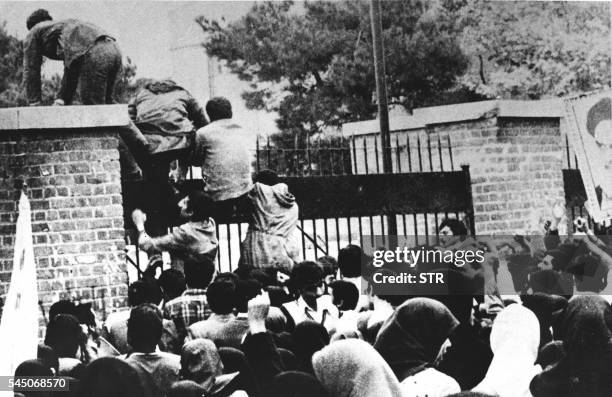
{"points": [[92, 62], [168, 116]]}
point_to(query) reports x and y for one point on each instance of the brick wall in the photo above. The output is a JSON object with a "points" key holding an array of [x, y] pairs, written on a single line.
{"points": [[73, 182], [515, 164]]}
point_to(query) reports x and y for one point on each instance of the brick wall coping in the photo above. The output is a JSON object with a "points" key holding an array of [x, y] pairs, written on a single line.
{"points": [[63, 117], [421, 117]]}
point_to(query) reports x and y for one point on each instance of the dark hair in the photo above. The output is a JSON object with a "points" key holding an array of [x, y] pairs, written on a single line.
{"points": [[345, 292], [245, 291], [227, 276], [144, 327], [200, 205], [64, 335], [38, 16], [267, 177], [199, 275], [110, 376], [329, 264], [456, 226], [172, 283], [143, 291], [349, 260], [221, 296], [62, 307], [33, 368], [48, 357], [305, 274], [219, 108]]}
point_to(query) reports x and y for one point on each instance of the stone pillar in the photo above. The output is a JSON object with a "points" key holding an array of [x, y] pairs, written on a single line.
{"points": [[68, 159]]}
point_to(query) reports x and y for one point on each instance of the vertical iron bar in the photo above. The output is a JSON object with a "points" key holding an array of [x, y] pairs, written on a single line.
{"points": [[397, 154], [409, 154], [429, 152], [354, 155], [376, 154], [365, 156], [420, 155], [450, 152], [440, 152]]}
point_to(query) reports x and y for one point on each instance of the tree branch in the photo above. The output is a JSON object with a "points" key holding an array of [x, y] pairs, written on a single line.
{"points": [[481, 70]]}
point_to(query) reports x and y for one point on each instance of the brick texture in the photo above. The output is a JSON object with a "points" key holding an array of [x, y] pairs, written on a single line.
{"points": [[73, 182], [515, 167]]}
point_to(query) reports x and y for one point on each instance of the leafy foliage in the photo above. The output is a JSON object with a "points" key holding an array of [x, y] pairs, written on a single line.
{"points": [[320, 54], [529, 49]]}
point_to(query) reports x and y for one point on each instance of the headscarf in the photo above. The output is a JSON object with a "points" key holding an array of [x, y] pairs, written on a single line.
{"points": [[411, 338], [201, 363], [585, 368], [109, 376], [296, 384], [352, 368], [308, 337], [515, 339]]}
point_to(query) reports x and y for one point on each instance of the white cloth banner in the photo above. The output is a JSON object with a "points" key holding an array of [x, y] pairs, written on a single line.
{"points": [[19, 323]]}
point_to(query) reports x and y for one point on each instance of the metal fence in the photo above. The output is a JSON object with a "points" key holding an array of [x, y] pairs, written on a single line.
{"points": [[344, 197]]}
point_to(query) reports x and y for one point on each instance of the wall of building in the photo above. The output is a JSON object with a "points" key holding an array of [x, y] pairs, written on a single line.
{"points": [[515, 164], [72, 176]]}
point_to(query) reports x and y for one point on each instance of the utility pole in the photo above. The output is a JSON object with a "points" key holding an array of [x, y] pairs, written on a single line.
{"points": [[381, 95]]}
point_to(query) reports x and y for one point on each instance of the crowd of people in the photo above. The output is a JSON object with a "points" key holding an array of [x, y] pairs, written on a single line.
{"points": [[314, 330], [282, 326]]}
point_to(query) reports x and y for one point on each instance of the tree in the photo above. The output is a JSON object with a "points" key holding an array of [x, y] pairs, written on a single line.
{"points": [[530, 50], [320, 55]]}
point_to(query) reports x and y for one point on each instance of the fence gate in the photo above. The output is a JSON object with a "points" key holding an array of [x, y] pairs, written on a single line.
{"points": [[343, 196]]}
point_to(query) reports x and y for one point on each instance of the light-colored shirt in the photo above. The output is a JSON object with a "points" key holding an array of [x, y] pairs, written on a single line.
{"points": [[222, 149]]}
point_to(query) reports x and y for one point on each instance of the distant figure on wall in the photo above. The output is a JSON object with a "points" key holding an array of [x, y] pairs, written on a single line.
{"points": [[92, 61], [91, 57]]}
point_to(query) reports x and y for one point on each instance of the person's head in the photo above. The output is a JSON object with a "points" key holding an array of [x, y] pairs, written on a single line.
{"points": [[34, 368], [266, 177], [199, 275], [296, 384], [196, 206], [309, 337], [307, 280], [349, 261], [345, 295], [110, 376], [218, 108], [451, 231], [62, 307], [414, 335], [143, 291], [201, 363], [172, 283], [245, 291], [221, 296], [63, 335], [144, 328], [38, 16]]}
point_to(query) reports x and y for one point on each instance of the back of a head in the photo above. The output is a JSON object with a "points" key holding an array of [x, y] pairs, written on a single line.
{"points": [[221, 296], [349, 261], [266, 177], [38, 16], [172, 283], [201, 206], [62, 307], [143, 291], [144, 327], [329, 265], [245, 291], [219, 108], [199, 275], [33, 368], [345, 294], [305, 274], [296, 384], [455, 225], [110, 376], [63, 335], [186, 388]]}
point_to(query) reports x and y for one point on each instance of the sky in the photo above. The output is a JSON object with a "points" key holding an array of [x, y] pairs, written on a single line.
{"points": [[160, 37]]}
